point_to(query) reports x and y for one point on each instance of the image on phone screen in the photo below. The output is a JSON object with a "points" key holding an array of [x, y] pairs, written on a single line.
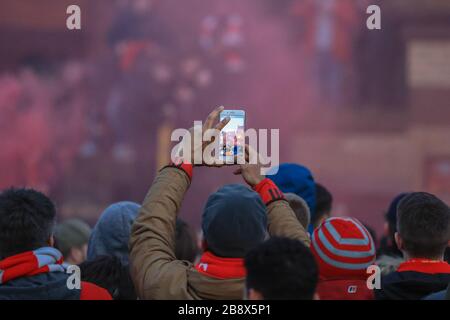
{"points": [[232, 137]]}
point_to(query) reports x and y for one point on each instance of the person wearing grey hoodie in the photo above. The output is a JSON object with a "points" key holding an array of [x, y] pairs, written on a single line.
{"points": [[111, 234], [107, 262]]}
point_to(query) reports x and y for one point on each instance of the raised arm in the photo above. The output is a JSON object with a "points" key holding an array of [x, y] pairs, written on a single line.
{"points": [[282, 221], [152, 240], [155, 270]]}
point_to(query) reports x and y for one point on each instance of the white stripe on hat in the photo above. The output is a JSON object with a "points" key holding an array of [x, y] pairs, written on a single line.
{"points": [[338, 264], [344, 253]]}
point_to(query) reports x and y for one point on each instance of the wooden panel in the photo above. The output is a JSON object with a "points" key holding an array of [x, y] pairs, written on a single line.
{"points": [[416, 7], [428, 63]]}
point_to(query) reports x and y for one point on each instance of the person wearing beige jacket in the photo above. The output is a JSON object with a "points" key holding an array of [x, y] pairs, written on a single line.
{"points": [[236, 219]]}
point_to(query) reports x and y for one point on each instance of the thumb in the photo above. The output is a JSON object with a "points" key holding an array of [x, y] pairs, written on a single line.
{"points": [[238, 171]]}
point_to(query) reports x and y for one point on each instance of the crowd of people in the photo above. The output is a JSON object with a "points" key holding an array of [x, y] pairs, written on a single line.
{"points": [[272, 237]]}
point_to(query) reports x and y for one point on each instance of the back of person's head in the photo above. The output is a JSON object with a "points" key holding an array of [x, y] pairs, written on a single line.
{"points": [[423, 224], [324, 203], [111, 233], [300, 208], [391, 213], [343, 249], [388, 247], [186, 247], [71, 238], [234, 221], [295, 178], [109, 273], [27, 218], [281, 269]]}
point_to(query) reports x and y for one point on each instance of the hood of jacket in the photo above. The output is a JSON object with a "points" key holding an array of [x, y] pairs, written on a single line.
{"points": [[111, 234]]}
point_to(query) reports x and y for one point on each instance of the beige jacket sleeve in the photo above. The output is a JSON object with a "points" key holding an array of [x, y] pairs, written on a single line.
{"points": [[154, 269], [283, 222]]}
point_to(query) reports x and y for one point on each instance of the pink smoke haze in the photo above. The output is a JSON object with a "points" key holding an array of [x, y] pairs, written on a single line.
{"points": [[86, 115]]}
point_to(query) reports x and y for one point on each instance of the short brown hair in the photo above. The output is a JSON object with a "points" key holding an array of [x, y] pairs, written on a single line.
{"points": [[423, 223]]}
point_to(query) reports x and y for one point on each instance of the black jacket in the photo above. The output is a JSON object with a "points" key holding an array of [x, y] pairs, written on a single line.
{"points": [[411, 285]]}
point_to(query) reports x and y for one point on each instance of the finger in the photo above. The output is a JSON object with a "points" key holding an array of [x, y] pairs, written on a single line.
{"points": [[246, 153], [222, 124], [251, 155], [213, 117], [238, 171]]}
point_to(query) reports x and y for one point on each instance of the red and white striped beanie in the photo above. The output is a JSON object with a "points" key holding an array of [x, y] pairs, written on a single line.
{"points": [[343, 248]]}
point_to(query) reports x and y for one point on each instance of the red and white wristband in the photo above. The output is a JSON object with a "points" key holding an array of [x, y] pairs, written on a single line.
{"points": [[268, 191], [186, 167]]}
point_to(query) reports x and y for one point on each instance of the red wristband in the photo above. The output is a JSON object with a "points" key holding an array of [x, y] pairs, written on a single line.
{"points": [[186, 167], [268, 191]]}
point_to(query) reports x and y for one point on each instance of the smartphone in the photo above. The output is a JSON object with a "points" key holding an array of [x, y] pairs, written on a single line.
{"points": [[232, 136]]}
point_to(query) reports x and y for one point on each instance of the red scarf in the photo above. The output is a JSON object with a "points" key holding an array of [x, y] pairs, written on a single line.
{"points": [[221, 268], [425, 266], [31, 263]]}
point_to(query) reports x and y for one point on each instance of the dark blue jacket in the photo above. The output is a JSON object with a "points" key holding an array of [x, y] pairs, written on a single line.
{"points": [[45, 286], [411, 285]]}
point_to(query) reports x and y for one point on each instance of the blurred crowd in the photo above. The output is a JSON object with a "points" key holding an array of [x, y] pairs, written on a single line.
{"points": [[96, 104], [272, 237]]}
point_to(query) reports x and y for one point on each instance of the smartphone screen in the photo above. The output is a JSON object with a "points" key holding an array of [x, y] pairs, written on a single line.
{"points": [[232, 136]]}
